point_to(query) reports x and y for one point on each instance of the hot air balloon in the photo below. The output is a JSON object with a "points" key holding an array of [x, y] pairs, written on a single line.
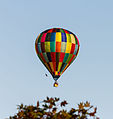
{"points": [[57, 48]]}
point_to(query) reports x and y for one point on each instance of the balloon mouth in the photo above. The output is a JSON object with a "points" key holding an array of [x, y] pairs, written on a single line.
{"points": [[55, 84]]}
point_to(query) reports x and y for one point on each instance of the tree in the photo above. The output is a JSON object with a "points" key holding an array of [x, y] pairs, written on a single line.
{"points": [[49, 109]]}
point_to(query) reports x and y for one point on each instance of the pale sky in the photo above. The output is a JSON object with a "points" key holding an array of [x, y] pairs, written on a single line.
{"points": [[22, 75]]}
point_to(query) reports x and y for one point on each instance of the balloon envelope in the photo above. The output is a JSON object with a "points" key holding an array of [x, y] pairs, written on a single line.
{"points": [[57, 48]]}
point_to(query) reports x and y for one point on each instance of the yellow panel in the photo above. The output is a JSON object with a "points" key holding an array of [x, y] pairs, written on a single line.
{"points": [[72, 38], [68, 47], [59, 66], [58, 37], [56, 73], [68, 37], [51, 64], [47, 46]]}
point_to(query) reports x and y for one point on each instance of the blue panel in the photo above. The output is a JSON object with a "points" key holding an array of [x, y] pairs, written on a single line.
{"points": [[64, 38], [39, 48], [63, 67], [53, 36]]}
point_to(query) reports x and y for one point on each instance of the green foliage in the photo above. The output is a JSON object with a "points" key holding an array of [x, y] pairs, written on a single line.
{"points": [[49, 109]]}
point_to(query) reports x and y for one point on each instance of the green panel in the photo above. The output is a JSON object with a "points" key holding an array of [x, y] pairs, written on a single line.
{"points": [[66, 57], [57, 56], [45, 57], [63, 46], [61, 30], [48, 37], [39, 47], [68, 37], [52, 46], [70, 56], [76, 48], [47, 46]]}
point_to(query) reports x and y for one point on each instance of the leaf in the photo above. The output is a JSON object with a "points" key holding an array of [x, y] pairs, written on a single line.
{"points": [[87, 104], [50, 106], [21, 114], [20, 106], [54, 110], [72, 111], [57, 99], [37, 104], [45, 106], [81, 106], [49, 110], [47, 98], [63, 103]]}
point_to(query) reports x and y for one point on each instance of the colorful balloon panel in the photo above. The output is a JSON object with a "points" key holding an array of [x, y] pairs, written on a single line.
{"points": [[57, 48]]}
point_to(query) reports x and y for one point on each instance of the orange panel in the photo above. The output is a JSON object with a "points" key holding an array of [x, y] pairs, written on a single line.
{"points": [[58, 46]]}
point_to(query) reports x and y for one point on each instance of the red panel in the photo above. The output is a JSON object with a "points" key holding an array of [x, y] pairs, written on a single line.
{"points": [[62, 54], [50, 31], [54, 30], [59, 73], [43, 46], [53, 56], [72, 48], [66, 31], [43, 37], [54, 66]]}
